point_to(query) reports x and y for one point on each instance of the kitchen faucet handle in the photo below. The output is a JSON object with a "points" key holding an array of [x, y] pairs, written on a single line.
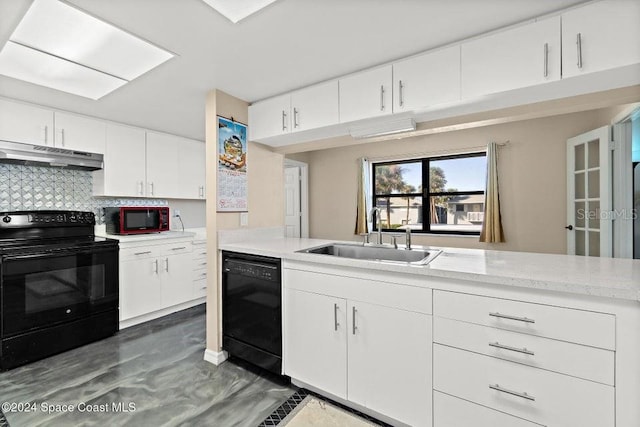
{"points": [[365, 238], [394, 239]]}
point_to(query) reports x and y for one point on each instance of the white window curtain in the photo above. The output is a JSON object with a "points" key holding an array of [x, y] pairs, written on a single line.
{"points": [[492, 224], [364, 196]]}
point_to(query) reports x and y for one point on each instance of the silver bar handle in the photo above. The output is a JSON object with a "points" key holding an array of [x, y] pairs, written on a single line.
{"points": [[508, 347], [354, 327], [509, 317], [46, 134], [62, 133], [335, 317], [579, 46], [381, 97], [497, 387], [179, 248], [151, 187], [284, 116], [401, 93], [155, 270], [295, 117], [140, 188], [546, 59], [142, 253], [166, 265]]}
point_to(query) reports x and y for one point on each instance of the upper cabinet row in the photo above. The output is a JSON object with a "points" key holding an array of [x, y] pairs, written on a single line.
{"points": [[596, 37], [137, 162]]}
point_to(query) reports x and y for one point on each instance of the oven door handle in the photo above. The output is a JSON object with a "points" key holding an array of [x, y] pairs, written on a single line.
{"points": [[57, 253]]}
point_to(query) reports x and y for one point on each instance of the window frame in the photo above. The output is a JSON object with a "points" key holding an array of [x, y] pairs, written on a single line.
{"points": [[426, 193]]}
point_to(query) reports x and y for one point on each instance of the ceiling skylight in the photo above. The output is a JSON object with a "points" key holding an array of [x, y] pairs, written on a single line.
{"points": [[237, 10], [54, 38]]}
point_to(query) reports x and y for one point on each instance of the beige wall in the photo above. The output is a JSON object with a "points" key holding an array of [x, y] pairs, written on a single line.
{"points": [[532, 179], [265, 197]]}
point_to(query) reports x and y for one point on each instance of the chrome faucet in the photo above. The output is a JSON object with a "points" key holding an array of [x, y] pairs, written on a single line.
{"points": [[376, 211]]}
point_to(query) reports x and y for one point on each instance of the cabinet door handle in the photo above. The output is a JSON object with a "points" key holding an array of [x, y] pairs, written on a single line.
{"points": [[295, 117], [166, 265], [62, 133], [401, 93], [546, 59], [142, 253], [579, 46], [497, 387], [381, 97], [507, 347], [151, 188], [284, 116], [335, 317], [46, 134], [509, 317], [155, 270], [353, 326], [140, 187]]}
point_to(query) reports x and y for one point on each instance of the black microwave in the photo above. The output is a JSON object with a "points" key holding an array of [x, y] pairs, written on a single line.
{"points": [[136, 219]]}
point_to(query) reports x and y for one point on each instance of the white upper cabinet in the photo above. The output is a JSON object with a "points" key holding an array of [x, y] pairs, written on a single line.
{"points": [[523, 56], [124, 163], [367, 94], [600, 36], [270, 117], [315, 106], [25, 123], [191, 169], [426, 80], [162, 165], [80, 133]]}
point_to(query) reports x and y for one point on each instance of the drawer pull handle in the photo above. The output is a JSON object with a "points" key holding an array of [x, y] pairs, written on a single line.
{"points": [[335, 317], [203, 263], [507, 347], [178, 249], [142, 253], [518, 319], [203, 274], [496, 387]]}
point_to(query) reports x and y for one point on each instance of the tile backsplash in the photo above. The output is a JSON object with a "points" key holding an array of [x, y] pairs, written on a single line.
{"points": [[47, 188]]}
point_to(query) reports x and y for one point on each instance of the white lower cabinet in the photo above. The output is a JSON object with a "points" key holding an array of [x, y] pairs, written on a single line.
{"points": [[376, 356], [139, 288], [449, 411]]}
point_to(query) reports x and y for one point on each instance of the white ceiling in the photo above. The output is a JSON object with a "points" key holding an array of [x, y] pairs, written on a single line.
{"points": [[290, 44]]}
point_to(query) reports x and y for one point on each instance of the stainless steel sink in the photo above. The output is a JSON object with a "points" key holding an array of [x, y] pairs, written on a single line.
{"points": [[378, 253]]}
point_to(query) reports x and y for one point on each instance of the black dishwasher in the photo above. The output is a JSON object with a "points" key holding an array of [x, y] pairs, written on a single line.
{"points": [[252, 309]]}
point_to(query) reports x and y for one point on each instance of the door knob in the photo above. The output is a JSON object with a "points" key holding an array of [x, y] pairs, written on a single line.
{"points": [[569, 227]]}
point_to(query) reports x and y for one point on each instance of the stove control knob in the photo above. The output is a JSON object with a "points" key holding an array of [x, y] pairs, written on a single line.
{"points": [[6, 219]]}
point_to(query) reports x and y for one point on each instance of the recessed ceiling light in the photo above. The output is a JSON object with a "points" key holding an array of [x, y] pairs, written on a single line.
{"points": [[237, 10], [62, 32]]}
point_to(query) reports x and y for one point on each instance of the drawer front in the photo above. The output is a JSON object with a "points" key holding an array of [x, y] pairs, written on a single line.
{"points": [[200, 288], [200, 274], [199, 252], [410, 298], [577, 326], [449, 411], [590, 363], [534, 394], [199, 264], [141, 252]]}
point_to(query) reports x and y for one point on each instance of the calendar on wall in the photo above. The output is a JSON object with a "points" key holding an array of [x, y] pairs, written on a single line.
{"points": [[232, 166]]}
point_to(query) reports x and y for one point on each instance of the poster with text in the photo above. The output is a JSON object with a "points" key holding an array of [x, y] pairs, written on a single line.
{"points": [[232, 166]]}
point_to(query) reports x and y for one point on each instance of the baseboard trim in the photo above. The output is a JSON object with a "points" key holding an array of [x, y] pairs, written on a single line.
{"points": [[215, 357], [127, 323]]}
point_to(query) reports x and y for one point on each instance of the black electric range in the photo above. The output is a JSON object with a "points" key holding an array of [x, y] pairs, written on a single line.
{"points": [[58, 284]]}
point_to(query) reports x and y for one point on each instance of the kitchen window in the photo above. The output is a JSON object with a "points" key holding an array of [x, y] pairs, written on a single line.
{"points": [[439, 195]]}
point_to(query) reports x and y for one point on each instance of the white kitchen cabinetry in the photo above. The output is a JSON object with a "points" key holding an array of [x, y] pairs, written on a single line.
{"points": [[600, 36], [427, 80], [191, 169], [162, 165], [124, 166], [524, 56], [309, 108], [25, 123], [343, 345], [315, 106], [366, 95], [316, 340], [154, 278], [270, 117], [79, 133]]}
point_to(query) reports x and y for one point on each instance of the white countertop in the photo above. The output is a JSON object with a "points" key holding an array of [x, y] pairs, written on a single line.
{"points": [[602, 277], [164, 235]]}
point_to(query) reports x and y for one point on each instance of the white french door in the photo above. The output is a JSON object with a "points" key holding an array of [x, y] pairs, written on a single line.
{"points": [[589, 189]]}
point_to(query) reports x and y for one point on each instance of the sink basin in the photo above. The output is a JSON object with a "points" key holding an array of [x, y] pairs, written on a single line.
{"points": [[378, 253]]}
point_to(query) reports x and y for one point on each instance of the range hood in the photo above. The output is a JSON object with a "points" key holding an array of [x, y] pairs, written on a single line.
{"points": [[38, 155]]}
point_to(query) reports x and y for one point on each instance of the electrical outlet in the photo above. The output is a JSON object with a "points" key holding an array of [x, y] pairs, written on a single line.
{"points": [[176, 212], [244, 219]]}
